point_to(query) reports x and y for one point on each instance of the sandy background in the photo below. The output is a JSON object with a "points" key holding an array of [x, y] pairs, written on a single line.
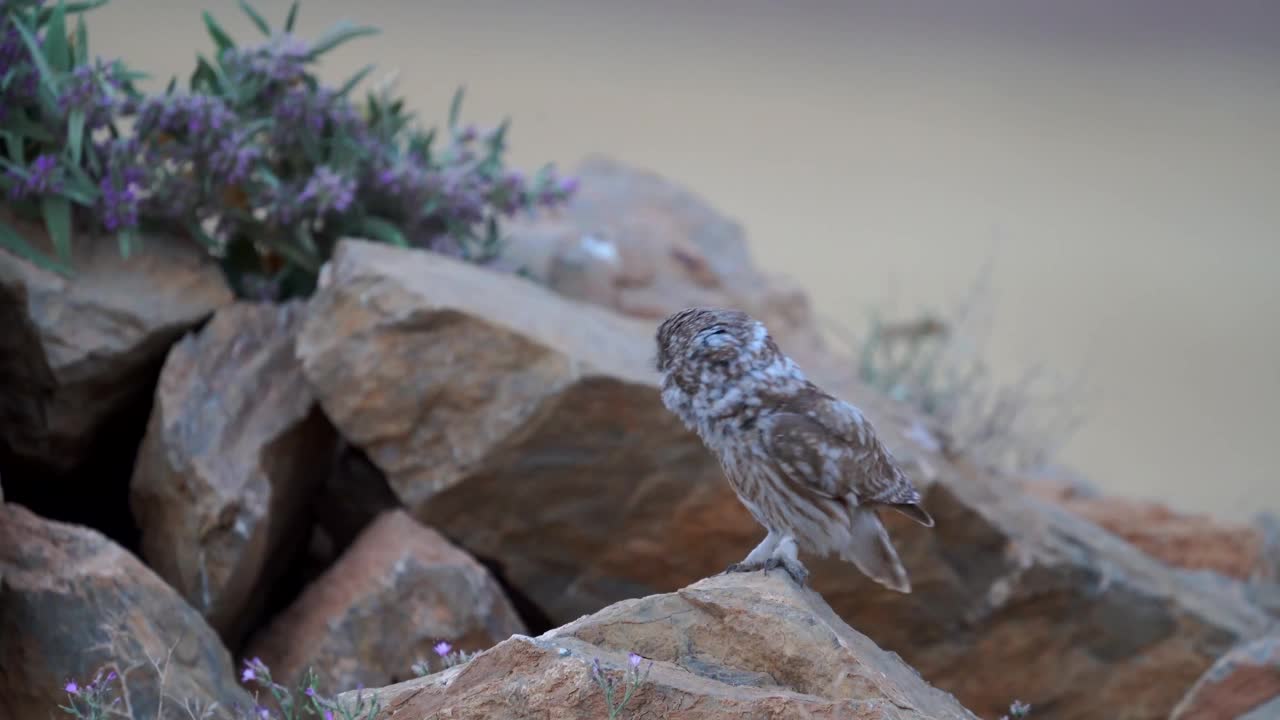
{"points": [[1119, 164]]}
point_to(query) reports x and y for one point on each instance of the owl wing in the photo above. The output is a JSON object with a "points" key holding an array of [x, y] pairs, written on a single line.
{"points": [[828, 445]]}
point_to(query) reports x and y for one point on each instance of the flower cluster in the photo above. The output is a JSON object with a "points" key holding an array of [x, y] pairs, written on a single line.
{"points": [[257, 158], [283, 703], [632, 681], [94, 700]]}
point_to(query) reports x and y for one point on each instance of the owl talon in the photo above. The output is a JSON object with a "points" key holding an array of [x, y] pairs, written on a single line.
{"points": [[741, 567], [797, 571]]}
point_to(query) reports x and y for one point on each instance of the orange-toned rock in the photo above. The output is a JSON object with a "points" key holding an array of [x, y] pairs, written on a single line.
{"points": [[395, 593], [75, 350], [528, 428], [1181, 540], [727, 648], [234, 452], [1243, 685], [72, 603], [640, 244]]}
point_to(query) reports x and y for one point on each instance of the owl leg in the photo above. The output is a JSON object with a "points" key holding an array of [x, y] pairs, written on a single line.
{"points": [[786, 555], [756, 559]]}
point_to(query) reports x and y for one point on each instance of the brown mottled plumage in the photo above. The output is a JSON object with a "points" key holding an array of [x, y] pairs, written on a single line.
{"points": [[807, 465]]}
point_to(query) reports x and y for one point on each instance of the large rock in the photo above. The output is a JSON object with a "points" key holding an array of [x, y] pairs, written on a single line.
{"points": [[738, 646], [235, 448], [394, 594], [1244, 681], [75, 350], [635, 242], [72, 603], [1191, 542], [529, 429], [523, 425]]}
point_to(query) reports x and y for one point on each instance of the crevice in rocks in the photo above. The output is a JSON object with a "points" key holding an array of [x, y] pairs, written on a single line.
{"points": [[95, 492], [535, 619]]}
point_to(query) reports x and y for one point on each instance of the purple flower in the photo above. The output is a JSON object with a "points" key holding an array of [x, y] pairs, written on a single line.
{"points": [[634, 660], [248, 675], [310, 692], [328, 715], [118, 205], [72, 688], [442, 648], [41, 177], [327, 191], [263, 713]]}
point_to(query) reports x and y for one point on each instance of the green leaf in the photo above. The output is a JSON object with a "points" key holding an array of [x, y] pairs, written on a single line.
{"points": [[382, 230], [291, 17], [24, 127], [57, 220], [75, 134], [455, 107], [13, 241], [220, 36], [37, 55], [56, 51], [69, 8], [354, 80], [78, 187], [256, 18], [339, 34], [128, 240], [82, 42]]}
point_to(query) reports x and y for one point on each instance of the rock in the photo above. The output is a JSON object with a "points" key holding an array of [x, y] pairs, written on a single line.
{"points": [[234, 451], [528, 429], [78, 349], [733, 646], [1190, 542], [73, 603], [644, 246], [525, 426], [1243, 681], [395, 593]]}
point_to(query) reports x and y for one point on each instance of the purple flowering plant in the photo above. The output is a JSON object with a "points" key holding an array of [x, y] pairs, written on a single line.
{"points": [[256, 158], [61, 158], [283, 703], [270, 168]]}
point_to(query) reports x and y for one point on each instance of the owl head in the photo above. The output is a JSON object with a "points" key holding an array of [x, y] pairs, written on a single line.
{"points": [[707, 335]]}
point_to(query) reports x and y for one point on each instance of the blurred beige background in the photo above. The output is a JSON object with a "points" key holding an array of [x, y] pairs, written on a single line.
{"points": [[1119, 164]]}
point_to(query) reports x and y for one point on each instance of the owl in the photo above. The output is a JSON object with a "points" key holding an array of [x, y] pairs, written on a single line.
{"points": [[806, 465]]}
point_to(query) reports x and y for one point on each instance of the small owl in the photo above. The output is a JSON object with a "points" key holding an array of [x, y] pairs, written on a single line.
{"points": [[807, 466]]}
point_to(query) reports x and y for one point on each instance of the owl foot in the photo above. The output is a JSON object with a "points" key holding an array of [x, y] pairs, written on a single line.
{"points": [[743, 566], [793, 567]]}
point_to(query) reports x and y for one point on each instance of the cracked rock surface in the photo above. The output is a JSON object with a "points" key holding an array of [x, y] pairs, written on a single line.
{"points": [[747, 645]]}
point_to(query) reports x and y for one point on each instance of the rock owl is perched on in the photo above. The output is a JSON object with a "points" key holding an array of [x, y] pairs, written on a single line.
{"points": [[807, 465]]}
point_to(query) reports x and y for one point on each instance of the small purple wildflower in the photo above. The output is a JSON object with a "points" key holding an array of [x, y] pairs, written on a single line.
{"points": [[310, 692], [42, 177], [634, 660], [442, 648], [327, 191], [72, 688], [118, 205], [248, 675], [328, 715]]}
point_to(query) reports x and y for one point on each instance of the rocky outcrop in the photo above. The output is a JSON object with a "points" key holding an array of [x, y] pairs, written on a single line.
{"points": [[73, 603], [1180, 540], [637, 243], [75, 350], [525, 426], [529, 429], [399, 590], [235, 448], [1243, 685], [749, 645]]}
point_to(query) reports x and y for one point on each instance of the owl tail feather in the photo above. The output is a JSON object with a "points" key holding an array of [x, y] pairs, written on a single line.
{"points": [[872, 552]]}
